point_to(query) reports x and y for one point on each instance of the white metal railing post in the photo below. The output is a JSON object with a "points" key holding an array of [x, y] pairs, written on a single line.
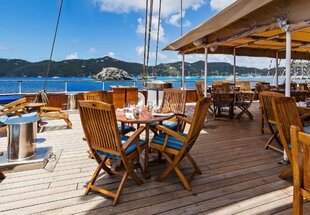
{"points": [[66, 86], [103, 85], [288, 64]]}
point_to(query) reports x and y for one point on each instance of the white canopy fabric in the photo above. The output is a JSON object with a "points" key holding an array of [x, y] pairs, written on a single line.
{"points": [[253, 28]]}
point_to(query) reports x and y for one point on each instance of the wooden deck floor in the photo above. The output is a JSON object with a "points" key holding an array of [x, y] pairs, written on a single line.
{"points": [[239, 177]]}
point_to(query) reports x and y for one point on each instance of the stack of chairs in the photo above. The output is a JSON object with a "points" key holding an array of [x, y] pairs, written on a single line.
{"points": [[286, 115]]}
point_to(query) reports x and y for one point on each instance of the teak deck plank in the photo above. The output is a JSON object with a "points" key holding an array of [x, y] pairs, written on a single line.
{"points": [[239, 177]]}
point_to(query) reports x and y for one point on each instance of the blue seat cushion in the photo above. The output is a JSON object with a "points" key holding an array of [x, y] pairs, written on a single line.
{"points": [[130, 149], [127, 129], [172, 142], [307, 131], [2, 120], [169, 124]]}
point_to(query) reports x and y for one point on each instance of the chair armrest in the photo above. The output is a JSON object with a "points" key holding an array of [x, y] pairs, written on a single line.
{"points": [[132, 138], [171, 133], [184, 119], [50, 109]]}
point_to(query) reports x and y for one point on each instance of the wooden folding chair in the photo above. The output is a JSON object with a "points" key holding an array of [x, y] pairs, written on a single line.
{"points": [[101, 132], [15, 108], [301, 168], [51, 112], [265, 99], [200, 91], [243, 85], [286, 115], [105, 96], [174, 100], [98, 95], [178, 144], [243, 102]]}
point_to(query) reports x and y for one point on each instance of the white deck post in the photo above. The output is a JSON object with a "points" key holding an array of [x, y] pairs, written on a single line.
{"points": [[183, 68], [234, 66], [277, 69], [288, 64], [206, 71]]}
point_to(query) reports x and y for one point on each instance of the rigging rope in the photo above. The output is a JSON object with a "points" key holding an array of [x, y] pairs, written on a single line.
{"points": [[145, 35], [181, 17], [158, 28], [53, 44]]}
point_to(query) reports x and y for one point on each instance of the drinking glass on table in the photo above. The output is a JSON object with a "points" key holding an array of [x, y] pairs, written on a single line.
{"points": [[150, 106]]}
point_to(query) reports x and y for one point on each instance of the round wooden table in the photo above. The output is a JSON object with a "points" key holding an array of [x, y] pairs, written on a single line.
{"points": [[145, 117]]}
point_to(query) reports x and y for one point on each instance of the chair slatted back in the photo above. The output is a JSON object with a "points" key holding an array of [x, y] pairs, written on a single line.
{"points": [[132, 95], [286, 115], [243, 85], [301, 159], [200, 89], [175, 100], [198, 120], [265, 98], [100, 126], [217, 82], [97, 95], [262, 86]]}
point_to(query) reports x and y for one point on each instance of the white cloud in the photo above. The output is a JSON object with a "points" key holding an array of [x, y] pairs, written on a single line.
{"points": [[174, 19], [111, 54], [220, 4], [152, 55], [72, 56], [141, 29], [92, 51], [168, 6]]}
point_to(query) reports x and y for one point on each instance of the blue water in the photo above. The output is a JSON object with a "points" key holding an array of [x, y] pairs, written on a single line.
{"points": [[34, 84]]}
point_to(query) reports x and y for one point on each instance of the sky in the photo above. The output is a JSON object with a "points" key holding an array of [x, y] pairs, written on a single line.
{"points": [[98, 28]]}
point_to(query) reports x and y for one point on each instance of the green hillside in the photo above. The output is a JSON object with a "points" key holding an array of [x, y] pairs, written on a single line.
{"points": [[82, 68]]}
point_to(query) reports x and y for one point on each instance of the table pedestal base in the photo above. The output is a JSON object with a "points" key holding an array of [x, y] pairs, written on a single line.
{"points": [[37, 161]]}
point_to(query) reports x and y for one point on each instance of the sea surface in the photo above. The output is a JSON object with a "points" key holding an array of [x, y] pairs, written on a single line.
{"points": [[12, 85]]}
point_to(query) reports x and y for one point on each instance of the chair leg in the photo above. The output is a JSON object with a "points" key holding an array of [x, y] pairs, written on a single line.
{"points": [[120, 188], [297, 202], [177, 170], [195, 165], [287, 173], [131, 172], [146, 171], [94, 177], [2, 176], [262, 123], [69, 123]]}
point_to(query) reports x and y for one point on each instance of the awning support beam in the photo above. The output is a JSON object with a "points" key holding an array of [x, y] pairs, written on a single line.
{"points": [[206, 71], [288, 64], [183, 72], [234, 68]]}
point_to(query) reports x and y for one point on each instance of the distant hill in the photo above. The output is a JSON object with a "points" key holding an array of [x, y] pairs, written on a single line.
{"points": [[83, 68]]}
